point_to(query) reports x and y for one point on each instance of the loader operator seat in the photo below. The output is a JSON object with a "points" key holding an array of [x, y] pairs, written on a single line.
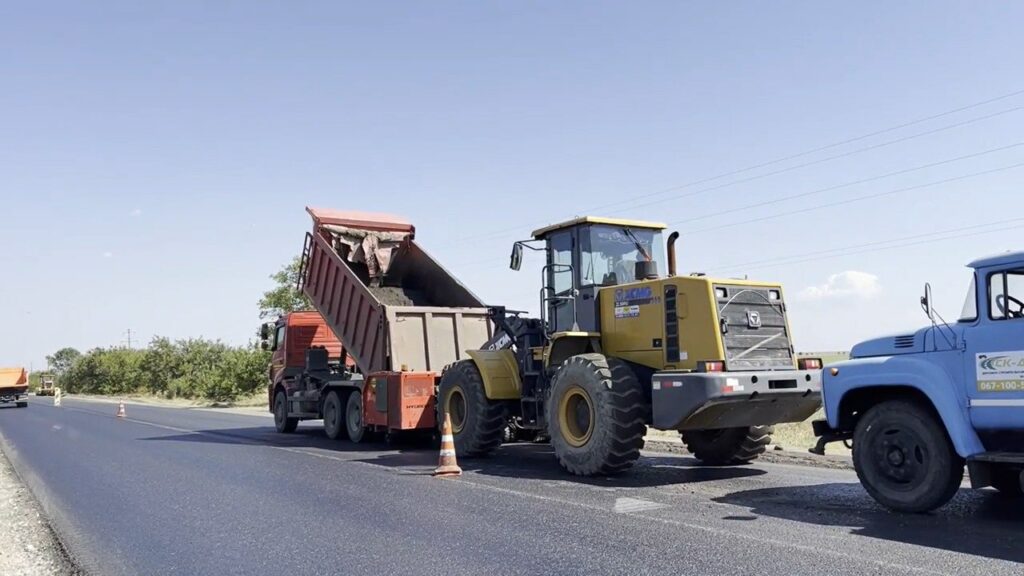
{"points": [[625, 271]]}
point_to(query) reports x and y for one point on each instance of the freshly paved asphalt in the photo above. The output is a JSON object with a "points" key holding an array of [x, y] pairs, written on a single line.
{"points": [[199, 492]]}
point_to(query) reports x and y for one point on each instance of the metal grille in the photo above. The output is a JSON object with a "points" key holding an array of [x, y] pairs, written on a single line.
{"points": [[904, 341], [753, 324]]}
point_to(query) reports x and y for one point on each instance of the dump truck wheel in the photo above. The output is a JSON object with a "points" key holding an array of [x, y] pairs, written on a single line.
{"points": [[1008, 482], [597, 415], [334, 415], [904, 457], [282, 422], [728, 446], [478, 424], [354, 424]]}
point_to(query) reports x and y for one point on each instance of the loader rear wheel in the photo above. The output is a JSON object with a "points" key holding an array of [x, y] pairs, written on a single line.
{"points": [[354, 425], [904, 457], [728, 446], [478, 424], [282, 422], [597, 415], [333, 415]]}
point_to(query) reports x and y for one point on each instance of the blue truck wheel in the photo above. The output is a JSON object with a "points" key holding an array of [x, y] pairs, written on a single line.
{"points": [[904, 457]]}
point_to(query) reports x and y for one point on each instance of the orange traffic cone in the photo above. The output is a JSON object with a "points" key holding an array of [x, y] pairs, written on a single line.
{"points": [[120, 409], [446, 465]]}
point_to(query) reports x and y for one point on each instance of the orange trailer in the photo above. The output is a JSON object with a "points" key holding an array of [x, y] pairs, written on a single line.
{"points": [[14, 386], [391, 310]]}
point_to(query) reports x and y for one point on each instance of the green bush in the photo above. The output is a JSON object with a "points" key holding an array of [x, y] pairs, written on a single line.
{"points": [[193, 368]]}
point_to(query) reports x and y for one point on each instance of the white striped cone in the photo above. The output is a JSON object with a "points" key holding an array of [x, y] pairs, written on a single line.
{"points": [[446, 464]]}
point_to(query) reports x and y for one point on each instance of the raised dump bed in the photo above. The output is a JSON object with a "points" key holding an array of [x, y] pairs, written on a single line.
{"points": [[392, 306]]}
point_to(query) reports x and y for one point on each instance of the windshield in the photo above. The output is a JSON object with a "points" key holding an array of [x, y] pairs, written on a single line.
{"points": [[610, 254], [970, 311]]}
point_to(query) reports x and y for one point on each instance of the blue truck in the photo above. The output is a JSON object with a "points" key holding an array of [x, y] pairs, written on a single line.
{"points": [[919, 406]]}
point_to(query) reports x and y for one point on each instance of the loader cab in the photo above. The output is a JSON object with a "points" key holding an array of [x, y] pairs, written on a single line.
{"points": [[585, 255]]}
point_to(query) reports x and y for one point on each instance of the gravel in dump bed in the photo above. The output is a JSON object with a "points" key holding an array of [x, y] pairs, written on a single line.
{"points": [[398, 296]]}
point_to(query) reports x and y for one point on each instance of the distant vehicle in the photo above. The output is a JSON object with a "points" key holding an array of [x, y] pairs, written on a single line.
{"points": [[45, 386], [14, 386], [918, 406]]}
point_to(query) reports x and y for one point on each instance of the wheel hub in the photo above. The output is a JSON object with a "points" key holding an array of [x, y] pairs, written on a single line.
{"points": [[576, 416], [901, 456], [455, 407]]}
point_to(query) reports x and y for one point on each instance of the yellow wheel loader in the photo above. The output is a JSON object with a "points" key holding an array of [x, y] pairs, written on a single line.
{"points": [[620, 345]]}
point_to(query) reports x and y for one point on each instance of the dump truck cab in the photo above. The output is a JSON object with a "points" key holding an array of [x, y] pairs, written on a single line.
{"points": [[620, 333], [918, 405]]}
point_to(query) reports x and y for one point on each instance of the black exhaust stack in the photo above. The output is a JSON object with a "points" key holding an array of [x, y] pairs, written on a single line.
{"points": [[672, 253]]}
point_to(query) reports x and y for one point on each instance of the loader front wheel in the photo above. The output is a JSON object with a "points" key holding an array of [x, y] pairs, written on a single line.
{"points": [[478, 424], [597, 415], [728, 446]]}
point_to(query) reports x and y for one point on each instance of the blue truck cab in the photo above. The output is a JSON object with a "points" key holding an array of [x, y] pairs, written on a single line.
{"points": [[918, 406]]}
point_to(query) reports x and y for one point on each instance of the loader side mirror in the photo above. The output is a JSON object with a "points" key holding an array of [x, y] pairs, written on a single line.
{"points": [[926, 301], [264, 331], [516, 260]]}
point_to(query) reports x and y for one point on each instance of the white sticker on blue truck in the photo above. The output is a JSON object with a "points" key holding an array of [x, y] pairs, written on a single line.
{"points": [[1000, 371]]}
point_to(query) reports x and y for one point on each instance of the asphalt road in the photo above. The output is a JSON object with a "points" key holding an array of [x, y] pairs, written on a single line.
{"points": [[197, 492]]}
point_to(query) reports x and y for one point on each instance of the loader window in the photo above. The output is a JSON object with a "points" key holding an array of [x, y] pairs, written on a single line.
{"points": [[610, 254], [1006, 295]]}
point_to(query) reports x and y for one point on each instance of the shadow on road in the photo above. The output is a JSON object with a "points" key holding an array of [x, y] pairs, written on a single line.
{"points": [[978, 523], [418, 455], [538, 462]]}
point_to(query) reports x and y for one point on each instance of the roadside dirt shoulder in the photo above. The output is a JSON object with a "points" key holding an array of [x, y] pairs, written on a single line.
{"points": [[28, 547]]}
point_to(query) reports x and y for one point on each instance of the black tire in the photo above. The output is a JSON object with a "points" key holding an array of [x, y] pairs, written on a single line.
{"points": [[21, 405], [904, 457], [1008, 482], [728, 446], [282, 422], [597, 415], [334, 415], [478, 424], [354, 425]]}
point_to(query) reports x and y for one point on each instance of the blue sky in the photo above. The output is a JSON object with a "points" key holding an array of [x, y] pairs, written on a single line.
{"points": [[156, 157]]}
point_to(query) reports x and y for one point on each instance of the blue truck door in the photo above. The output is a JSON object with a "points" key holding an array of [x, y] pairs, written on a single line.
{"points": [[995, 353]]}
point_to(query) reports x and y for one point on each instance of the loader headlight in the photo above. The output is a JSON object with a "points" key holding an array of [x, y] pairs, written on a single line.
{"points": [[721, 293], [774, 295]]}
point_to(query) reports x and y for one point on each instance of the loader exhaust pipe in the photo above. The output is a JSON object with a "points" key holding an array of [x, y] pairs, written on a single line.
{"points": [[671, 249]]}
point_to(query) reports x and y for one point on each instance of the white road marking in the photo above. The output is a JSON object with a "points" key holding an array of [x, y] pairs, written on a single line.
{"points": [[628, 505]]}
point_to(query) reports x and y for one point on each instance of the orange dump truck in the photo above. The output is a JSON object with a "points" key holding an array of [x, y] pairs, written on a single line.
{"points": [[14, 386], [388, 319]]}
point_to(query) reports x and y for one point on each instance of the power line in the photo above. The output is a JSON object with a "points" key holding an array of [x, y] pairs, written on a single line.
{"points": [[902, 245], [505, 231], [848, 184], [856, 199], [837, 252], [837, 203], [821, 160]]}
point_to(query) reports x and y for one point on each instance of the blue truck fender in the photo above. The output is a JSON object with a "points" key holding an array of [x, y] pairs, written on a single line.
{"points": [[903, 371]]}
